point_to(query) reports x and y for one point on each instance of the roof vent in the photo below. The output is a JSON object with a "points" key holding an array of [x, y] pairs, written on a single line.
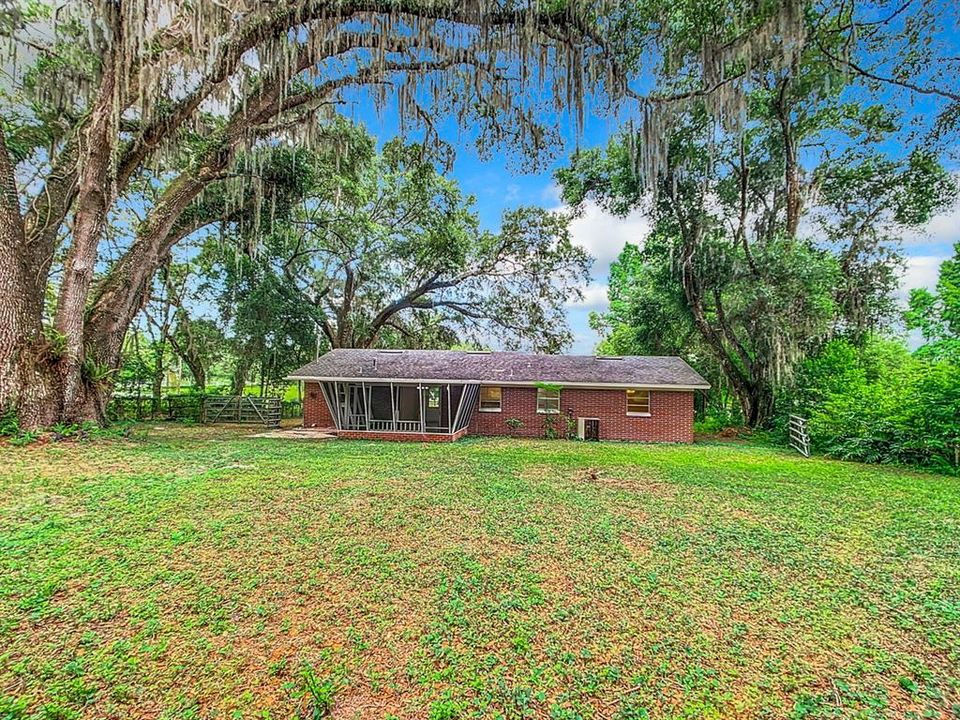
{"points": [[390, 352], [609, 357], [478, 352]]}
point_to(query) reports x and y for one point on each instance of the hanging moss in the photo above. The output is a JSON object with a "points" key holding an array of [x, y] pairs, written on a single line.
{"points": [[493, 60]]}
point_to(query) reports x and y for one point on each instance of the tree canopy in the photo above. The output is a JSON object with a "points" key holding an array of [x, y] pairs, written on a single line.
{"points": [[757, 256], [937, 314], [153, 105], [129, 126]]}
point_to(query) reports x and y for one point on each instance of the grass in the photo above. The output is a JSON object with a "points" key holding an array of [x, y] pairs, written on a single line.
{"points": [[198, 573]]}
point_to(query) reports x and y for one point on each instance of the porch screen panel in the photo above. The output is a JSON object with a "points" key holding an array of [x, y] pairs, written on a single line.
{"points": [[330, 396], [408, 403], [456, 392], [470, 395], [381, 407]]}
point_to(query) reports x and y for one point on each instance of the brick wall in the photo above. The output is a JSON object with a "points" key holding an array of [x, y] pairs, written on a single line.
{"points": [[407, 437], [315, 410], [671, 414]]}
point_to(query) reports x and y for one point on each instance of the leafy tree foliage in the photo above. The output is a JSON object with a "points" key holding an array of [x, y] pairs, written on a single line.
{"points": [[152, 109], [729, 266], [271, 330], [111, 101], [937, 314], [875, 402], [383, 249]]}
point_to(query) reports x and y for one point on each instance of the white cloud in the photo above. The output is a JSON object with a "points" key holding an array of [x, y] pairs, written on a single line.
{"points": [[922, 271], [603, 235], [551, 194], [594, 297], [600, 233], [942, 229]]}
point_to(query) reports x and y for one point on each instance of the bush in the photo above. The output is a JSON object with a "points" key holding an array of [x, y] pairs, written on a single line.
{"points": [[881, 404], [515, 424], [9, 424], [17, 436]]}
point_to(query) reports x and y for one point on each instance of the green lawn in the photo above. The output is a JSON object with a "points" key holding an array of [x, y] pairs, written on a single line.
{"points": [[191, 572]]}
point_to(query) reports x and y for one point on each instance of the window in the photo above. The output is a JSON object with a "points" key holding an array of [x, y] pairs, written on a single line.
{"points": [[548, 401], [433, 396], [491, 399], [638, 402]]}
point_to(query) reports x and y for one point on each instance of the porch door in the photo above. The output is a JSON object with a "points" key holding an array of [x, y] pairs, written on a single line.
{"points": [[433, 406], [356, 407]]}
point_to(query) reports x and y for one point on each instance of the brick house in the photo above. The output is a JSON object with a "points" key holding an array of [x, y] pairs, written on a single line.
{"points": [[439, 395]]}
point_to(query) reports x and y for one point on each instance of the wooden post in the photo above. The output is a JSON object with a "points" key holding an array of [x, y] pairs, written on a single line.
{"points": [[449, 411], [366, 403], [336, 403], [393, 408], [423, 421]]}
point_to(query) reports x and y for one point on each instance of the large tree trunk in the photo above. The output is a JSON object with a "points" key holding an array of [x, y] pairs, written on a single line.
{"points": [[96, 334], [240, 373], [124, 291], [27, 386], [794, 197], [89, 222], [187, 352], [738, 367], [756, 404]]}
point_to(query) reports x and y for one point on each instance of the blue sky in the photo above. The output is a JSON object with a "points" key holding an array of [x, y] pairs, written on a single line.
{"points": [[498, 185]]}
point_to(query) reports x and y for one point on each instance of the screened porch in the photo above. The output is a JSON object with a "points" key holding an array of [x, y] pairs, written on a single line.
{"points": [[360, 406]]}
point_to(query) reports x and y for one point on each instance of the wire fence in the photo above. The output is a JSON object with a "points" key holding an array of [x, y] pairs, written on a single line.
{"points": [[190, 408]]}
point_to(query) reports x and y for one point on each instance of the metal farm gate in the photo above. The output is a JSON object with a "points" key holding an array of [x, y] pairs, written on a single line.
{"points": [[241, 409], [799, 436]]}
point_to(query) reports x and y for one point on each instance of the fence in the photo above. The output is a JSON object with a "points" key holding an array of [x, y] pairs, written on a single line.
{"points": [[206, 408], [799, 436], [130, 408], [185, 407], [241, 409]]}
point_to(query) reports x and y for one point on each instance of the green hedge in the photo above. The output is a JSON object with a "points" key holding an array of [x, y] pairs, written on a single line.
{"points": [[881, 404]]}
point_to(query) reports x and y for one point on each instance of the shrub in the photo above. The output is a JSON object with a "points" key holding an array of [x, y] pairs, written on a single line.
{"points": [[9, 424], [881, 404], [551, 427], [514, 424]]}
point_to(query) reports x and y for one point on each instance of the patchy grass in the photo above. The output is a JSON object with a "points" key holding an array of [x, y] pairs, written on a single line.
{"points": [[197, 573]]}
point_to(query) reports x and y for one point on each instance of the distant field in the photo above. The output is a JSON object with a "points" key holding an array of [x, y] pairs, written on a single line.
{"points": [[197, 573]]}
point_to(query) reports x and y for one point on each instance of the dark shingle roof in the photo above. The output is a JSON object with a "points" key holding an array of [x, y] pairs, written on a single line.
{"points": [[501, 367]]}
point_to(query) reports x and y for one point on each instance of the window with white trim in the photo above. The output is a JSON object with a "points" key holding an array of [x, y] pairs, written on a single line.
{"points": [[638, 401], [491, 399], [548, 401]]}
